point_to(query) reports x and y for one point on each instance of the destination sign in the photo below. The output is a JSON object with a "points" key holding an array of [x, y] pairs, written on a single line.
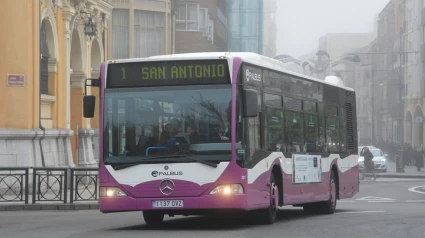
{"points": [[161, 73]]}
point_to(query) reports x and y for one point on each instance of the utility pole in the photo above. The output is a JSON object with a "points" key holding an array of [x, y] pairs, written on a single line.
{"points": [[401, 90], [373, 94]]}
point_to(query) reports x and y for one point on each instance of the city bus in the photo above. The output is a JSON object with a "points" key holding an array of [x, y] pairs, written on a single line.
{"points": [[203, 133]]}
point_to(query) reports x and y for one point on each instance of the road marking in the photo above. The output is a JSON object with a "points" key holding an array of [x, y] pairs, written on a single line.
{"points": [[377, 201], [372, 198], [415, 200], [396, 180], [380, 201], [413, 190], [360, 212]]}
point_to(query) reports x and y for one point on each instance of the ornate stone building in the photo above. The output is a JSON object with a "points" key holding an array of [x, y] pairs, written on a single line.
{"points": [[51, 47]]}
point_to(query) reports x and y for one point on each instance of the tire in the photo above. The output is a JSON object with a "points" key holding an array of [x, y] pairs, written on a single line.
{"points": [[268, 215], [329, 206], [153, 217]]}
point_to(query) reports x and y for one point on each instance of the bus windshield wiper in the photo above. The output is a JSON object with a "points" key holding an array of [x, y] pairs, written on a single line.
{"points": [[127, 165]]}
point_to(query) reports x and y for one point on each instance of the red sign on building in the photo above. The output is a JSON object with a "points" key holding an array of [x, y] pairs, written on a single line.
{"points": [[15, 80]]}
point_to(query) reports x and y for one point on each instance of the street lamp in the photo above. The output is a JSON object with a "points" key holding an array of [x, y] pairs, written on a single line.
{"points": [[90, 27]]}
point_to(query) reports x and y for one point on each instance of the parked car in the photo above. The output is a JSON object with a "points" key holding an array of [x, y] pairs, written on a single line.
{"points": [[379, 158]]}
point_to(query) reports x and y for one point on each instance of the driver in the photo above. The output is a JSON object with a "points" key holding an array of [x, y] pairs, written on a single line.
{"points": [[170, 131], [226, 133]]}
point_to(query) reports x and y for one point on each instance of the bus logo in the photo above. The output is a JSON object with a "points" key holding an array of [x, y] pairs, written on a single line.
{"points": [[167, 186], [154, 173], [252, 76]]}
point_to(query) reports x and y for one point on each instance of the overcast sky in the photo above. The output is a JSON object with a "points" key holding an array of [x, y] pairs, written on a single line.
{"points": [[302, 22]]}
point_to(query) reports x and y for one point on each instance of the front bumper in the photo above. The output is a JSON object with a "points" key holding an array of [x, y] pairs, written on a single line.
{"points": [[123, 204]]}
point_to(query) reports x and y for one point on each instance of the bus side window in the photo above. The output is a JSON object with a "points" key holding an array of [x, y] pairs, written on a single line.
{"points": [[274, 129], [322, 132], [332, 134], [254, 135], [294, 125], [312, 136]]}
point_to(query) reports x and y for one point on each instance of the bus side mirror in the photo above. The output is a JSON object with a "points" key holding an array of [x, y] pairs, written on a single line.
{"points": [[250, 102], [89, 103]]}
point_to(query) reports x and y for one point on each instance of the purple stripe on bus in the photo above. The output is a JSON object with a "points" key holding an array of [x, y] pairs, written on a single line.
{"points": [[103, 172], [237, 62]]}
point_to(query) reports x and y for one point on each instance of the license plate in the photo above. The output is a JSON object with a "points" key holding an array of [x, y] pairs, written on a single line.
{"points": [[168, 203]]}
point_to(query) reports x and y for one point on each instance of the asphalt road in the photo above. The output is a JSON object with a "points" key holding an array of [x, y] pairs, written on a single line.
{"points": [[383, 208]]}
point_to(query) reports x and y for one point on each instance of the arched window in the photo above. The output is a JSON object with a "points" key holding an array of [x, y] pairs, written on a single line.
{"points": [[44, 60]]}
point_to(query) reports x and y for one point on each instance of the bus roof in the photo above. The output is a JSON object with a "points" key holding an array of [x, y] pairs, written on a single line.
{"points": [[248, 57]]}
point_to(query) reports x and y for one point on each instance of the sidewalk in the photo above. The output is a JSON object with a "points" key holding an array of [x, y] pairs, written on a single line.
{"points": [[49, 206], [409, 172]]}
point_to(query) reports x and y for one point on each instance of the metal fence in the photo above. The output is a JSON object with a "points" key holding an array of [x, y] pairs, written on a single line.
{"points": [[45, 184]]}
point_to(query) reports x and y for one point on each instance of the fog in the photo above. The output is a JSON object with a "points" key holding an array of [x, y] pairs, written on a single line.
{"points": [[302, 22]]}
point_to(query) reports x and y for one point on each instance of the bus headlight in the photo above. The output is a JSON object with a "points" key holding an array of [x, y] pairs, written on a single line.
{"points": [[111, 192], [227, 189]]}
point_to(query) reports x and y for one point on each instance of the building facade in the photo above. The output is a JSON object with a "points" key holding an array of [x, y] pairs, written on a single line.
{"points": [[141, 28], [270, 28], [398, 62], [245, 26], [378, 79], [414, 73], [360, 75], [201, 26], [43, 78]]}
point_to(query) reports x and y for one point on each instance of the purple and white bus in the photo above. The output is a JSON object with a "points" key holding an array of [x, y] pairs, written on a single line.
{"points": [[191, 134]]}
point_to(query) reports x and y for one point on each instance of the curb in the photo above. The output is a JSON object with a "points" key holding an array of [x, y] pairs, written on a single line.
{"points": [[50, 207]]}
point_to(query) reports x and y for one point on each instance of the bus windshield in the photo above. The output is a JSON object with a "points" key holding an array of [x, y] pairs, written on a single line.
{"points": [[147, 123]]}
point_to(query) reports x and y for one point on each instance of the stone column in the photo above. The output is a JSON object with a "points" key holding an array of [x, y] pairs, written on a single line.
{"points": [[68, 13], [131, 30], [86, 121], [64, 141]]}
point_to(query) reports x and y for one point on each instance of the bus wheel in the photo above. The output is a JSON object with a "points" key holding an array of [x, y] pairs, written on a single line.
{"points": [[268, 215], [329, 206], [153, 217]]}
